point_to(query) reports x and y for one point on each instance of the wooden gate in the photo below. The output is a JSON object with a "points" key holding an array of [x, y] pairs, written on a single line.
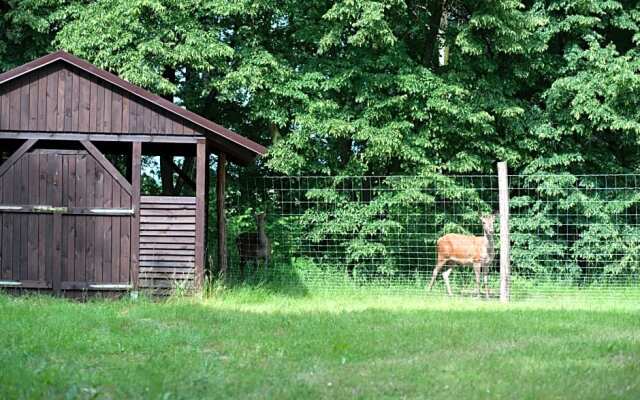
{"points": [[65, 222]]}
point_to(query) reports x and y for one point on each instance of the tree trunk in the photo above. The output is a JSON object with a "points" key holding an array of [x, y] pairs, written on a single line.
{"points": [[187, 168], [166, 176], [275, 133], [432, 48]]}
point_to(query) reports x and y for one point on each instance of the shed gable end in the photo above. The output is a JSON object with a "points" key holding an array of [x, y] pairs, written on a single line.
{"points": [[62, 98]]}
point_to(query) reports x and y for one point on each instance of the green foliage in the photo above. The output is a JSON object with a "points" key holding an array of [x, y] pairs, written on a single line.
{"points": [[373, 87], [589, 223]]}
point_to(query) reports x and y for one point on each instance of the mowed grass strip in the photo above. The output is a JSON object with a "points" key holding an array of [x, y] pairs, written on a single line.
{"points": [[251, 344]]}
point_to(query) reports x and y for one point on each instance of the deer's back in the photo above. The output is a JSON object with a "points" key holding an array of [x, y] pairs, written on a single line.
{"points": [[249, 245], [246, 241], [463, 249]]}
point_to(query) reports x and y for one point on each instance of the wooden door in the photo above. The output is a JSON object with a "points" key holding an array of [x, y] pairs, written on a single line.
{"points": [[66, 223]]}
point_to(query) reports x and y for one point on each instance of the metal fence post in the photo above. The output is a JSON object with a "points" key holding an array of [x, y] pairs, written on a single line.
{"points": [[505, 244]]}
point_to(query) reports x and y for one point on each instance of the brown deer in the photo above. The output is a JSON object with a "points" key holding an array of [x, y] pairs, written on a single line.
{"points": [[465, 250], [253, 246]]}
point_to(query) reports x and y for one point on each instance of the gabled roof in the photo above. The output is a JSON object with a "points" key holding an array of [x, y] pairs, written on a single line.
{"points": [[244, 145]]}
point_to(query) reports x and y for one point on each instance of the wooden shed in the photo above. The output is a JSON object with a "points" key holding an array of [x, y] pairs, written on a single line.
{"points": [[73, 220]]}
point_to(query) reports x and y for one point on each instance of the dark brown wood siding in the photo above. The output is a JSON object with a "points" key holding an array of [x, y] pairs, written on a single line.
{"points": [[62, 98], [76, 246], [167, 241]]}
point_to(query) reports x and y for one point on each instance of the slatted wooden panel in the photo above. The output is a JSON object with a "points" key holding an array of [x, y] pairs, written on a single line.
{"points": [[84, 248], [94, 248], [23, 253], [62, 98], [167, 242]]}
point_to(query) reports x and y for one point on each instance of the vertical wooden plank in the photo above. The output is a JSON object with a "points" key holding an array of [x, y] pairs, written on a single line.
{"points": [[57, 246], [505, 244], [75, 102], [162, 123], [55, 168], [70, 221], [201, 172], [12, 180], [49, 171], [125, 114], [220, 208], [42, 102], [146, 119], [32, 236], [140, 118], [52, 101], [187, 130], [125, 242], [23, 247], [100, 223], [135, 200], [133, 113], [154, 122], [133, 116], [99, 108], [93, 105], [68, 101], [133, 122], [178, 128], [24, 102], [107, 230], [2, 190], [90, 274], [33, 102], [81, 221], [107, 110], [116, 113], [64, 245], [207, 208], [4, 108], [17, 220], [14, 107], [7, 229], [84, 104], [115, 242], [62, 84], [42, 219]]}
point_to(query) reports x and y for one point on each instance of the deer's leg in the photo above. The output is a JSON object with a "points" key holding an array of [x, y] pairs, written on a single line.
{"points": [[445, 275], [477, 267], [485, 273], [436, 270], [242, 262]]}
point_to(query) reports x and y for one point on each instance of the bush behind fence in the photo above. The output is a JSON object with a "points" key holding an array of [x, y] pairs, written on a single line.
{"points": [[567, 232]]}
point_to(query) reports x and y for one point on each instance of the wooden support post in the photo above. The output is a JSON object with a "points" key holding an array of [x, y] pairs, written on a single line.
{"points": [[201, 171], [505, 244], [136, 173], [222, 228], [207, 197]]}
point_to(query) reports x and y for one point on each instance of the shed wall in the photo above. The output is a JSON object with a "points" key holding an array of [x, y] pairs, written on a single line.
{"points": [[167, 241], [62, 98]]}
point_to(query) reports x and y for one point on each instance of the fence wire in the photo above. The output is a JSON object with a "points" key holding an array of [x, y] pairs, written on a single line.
{"points": [[569, 235]]}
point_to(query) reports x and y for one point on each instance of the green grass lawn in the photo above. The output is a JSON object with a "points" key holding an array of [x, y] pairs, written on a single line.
{"points": [[256, 344]]}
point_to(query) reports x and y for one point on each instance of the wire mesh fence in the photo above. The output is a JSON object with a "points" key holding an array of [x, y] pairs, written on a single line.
{"points": [[569, 234]]}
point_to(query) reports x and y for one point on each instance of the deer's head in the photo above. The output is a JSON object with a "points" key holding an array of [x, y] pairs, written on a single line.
{"points": [[487, 223], [261, 217]]}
